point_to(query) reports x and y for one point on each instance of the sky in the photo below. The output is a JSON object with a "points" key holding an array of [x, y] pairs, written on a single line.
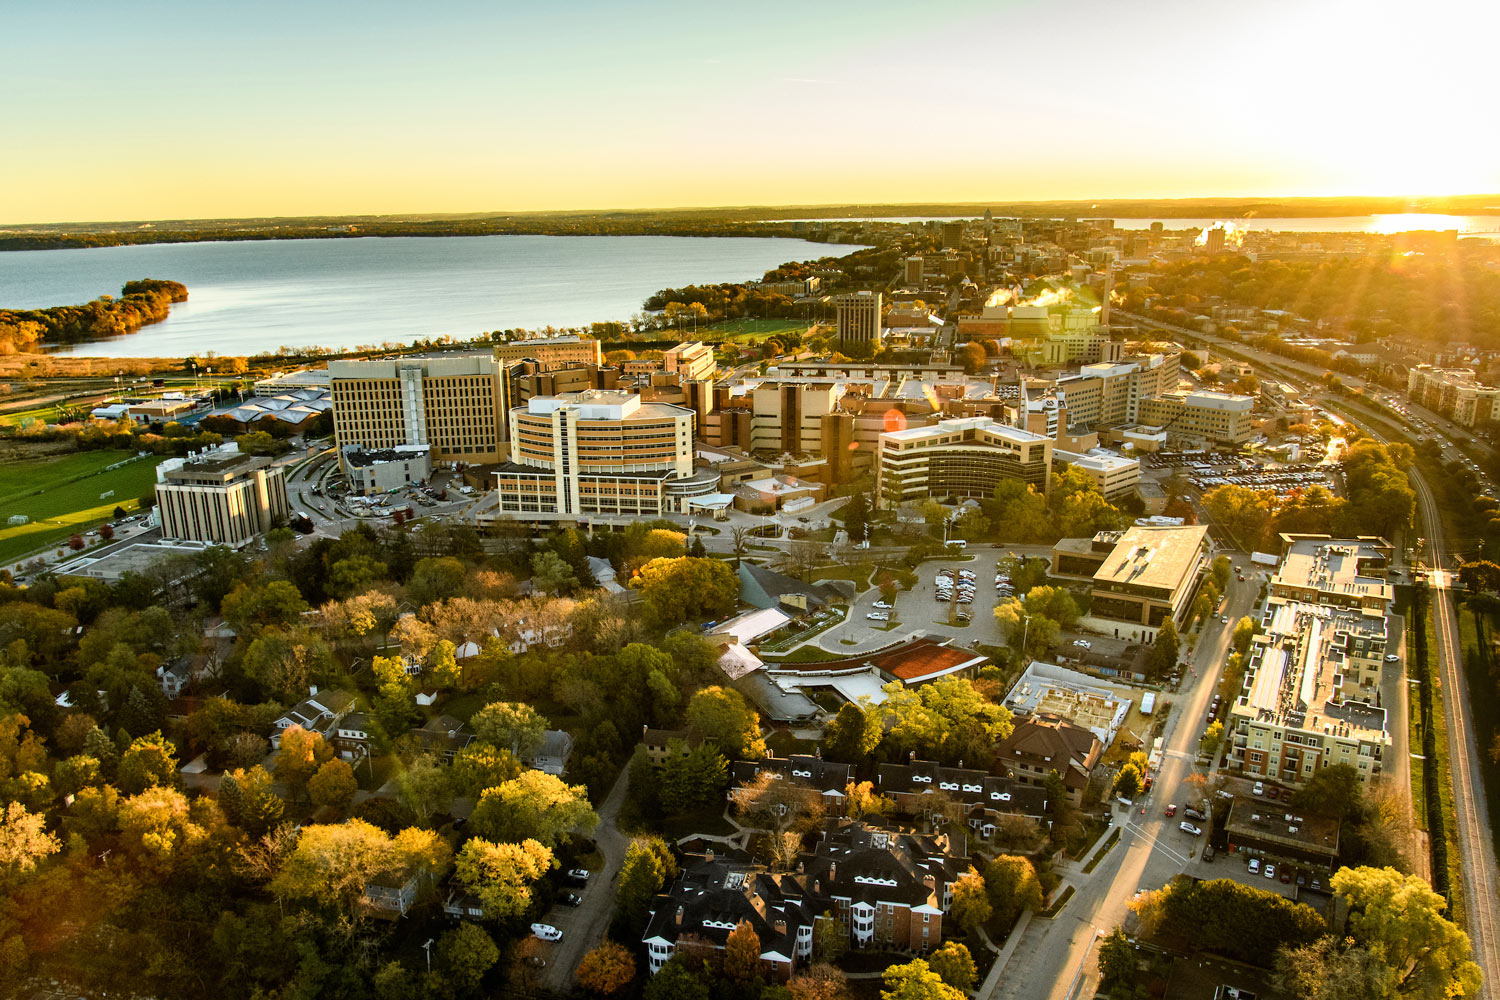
{"points": [[131, 111]]}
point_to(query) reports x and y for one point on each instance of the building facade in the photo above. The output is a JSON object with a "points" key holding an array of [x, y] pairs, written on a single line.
{"points": [[597, 452], [1218, 418], [690, 361], [1150, 575], [220, 496], [962, 457], [454, 404], [551, 352], [859, 318]]}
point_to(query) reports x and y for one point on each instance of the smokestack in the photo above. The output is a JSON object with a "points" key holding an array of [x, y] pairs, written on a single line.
{"points": [[1109, 290]]}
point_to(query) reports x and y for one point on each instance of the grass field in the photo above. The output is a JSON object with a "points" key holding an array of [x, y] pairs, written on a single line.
{"points": [[61, 496], [748, 331], [46, 414]]}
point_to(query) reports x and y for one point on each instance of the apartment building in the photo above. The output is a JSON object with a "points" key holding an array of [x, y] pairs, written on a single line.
{"points": [[1110, 393], [551, 352], [1200, 417], [859, 318], [1338, 572], [455, 404], [597, 452], [220, 496], [1150, 575], [1039, 745], [1312, 694], [1454, 392], [690, 361], [960, 457]]}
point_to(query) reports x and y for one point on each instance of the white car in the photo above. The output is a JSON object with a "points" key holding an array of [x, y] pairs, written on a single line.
{"points": [[1260, 788], [878, 616], [1187, 827], [1392, 658], [883, 605], [546, 932]]}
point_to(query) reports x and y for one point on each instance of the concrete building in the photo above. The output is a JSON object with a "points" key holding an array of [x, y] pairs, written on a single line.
{"points": [[599, 452], [1344, 572], [386, 469], [690, 361], [551, 352], [1047, 690], [1114, 475], [1149, 575], [1312, 694], [1202, 417], [962, 457], [1456, 393], [787, 417], [220, 496], [859, 319], [455, 404]]}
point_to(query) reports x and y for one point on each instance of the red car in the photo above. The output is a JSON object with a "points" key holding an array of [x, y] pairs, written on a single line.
{"points": [[1172, 809]]}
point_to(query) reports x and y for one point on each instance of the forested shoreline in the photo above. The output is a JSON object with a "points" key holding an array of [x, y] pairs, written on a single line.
{"points": [[141, 303]]}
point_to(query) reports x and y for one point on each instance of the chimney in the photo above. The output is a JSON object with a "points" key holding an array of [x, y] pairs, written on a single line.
{"points": [[833, 871], [709, 854], [911, 758], [312, 690], [780, 924], [817, 887], [679, 916]]}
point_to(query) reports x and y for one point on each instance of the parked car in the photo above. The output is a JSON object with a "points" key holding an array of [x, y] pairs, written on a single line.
{"points": [[1391, 658], [883, 605], [571, 899], [878, 616], [1172, 809], [1254, 866], [1270, 871], [546, 932], [1286, 876], [1259, 789], [1187, 827], [578, 874], [1208, 853], [1195, 815]]}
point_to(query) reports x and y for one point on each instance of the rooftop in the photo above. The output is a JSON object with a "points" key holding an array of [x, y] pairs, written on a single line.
{"points": [[1348, 567], [1162, 558]]}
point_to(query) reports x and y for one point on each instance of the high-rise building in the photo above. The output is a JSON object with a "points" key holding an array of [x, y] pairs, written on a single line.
{"points": [[1214, 240], [953, 234], [859, 315], [220, 496], [691, 361], [914, 272], [596, 452], [454, 403], [1203, 416]]}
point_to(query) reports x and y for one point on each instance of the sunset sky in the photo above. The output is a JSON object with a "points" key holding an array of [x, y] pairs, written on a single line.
{"points": [[116, 111]]}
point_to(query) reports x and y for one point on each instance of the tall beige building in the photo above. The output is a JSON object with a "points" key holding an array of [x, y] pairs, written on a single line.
{"points": [[551, 352], [220, 496], [788, 416], [1211, 417], [454, 403], [962, 457], [690, 360], [859, 315]]}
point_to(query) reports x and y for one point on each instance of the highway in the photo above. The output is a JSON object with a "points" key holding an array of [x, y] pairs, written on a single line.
{"points": [[1054, 954], [1475, 837]]}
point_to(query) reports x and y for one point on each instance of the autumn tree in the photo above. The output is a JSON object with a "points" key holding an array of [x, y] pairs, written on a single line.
{"points": [[501, 874], [510, 725], [333, 785], [606, 970], [916, 981], [851, 735], [149, 760], [674, 590], [721, 716], [24, 839], [971, 900], [1399, 920], [742, 953], [535, 805], [954, 965], [1012, 885], [298, 758]]}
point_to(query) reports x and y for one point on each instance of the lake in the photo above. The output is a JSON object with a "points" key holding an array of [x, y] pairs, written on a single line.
{"points": [[254, 297]]}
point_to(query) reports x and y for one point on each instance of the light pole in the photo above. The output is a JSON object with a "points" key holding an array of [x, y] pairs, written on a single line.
{"points": [[428, 948]]}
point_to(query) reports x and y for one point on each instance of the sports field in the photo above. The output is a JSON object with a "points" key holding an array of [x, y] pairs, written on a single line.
{"points": [[62, 496], [748, 331]]}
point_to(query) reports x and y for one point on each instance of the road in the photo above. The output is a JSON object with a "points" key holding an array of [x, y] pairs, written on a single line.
{"points": [[1056, 953], [1475, 837], [584, 926]]}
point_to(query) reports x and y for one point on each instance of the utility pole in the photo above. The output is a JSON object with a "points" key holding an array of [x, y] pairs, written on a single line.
{"points": [[428, 948]]}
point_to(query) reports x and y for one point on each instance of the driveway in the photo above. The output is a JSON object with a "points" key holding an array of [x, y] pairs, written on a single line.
{"points": [[585, 926]]}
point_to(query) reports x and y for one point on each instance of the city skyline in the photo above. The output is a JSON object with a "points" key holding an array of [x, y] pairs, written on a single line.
{"points": [[285, 111]]}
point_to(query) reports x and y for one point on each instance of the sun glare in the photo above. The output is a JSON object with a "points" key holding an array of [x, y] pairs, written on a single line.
{"points": [[1406, 222]]}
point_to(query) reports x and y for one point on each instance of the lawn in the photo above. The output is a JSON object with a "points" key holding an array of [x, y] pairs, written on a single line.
{"points": [[62, 496], [46, 414], [748, 331]]}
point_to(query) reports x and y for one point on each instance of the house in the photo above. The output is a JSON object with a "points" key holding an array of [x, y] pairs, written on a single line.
{"points": [[715, 893], [443, 736], [891, 889], [427, 698], [659, 742], [391, 894], [319, 713], [552, 756], [461, 904], [986, 797], [1042, 744], [174, 677], [352, 736], [764, 588], [824, 780]]}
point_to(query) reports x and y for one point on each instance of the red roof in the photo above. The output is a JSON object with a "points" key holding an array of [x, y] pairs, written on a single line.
{"points": [[912, 661]]}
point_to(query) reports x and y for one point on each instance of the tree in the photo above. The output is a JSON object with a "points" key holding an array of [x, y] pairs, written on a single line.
{"points": [[1030, 636], [954, 965], [479, 766], [433, 579], [298, 758], [1052, 602], [150, 760], [501, 875], [355, 575], [286, 661], [819, 981], [1013, 886], [511, 725], [333, 785], [535, 805], [1213, 739], [1244, 634], [972, 357], [1399, 920], [1130, 781], [249, 800], [647, 867], [948, 720], [464, 955], [1117, 964], [674, 590], [252, 607], [1163, 659], [916, 981], [1330, 969], [857, 517], [1243, 513], [742, 953], [692, 778], [332, 864], [851, 735], [861, 801], [606, 970], [739, 537], [425, 787], [971, 902], [1334, 790], [721, 716], [676, 982], [550, 574], [830, 938], [24, 839]]}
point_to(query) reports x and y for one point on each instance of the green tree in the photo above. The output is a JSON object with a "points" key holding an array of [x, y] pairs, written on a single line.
{"points": [[1129, 781], [551, 575], [511, 725], [674, 590], [287, 661], [355, 575], [1117, 964], [1054, 603], [1029, 635], [535, 805], [1244, 513], [1399, 920], [149, 761], [479, 766], [251, 607], [1163, 659], [692, 777], [722, 717], [916, 981], [1244, 634], [434, 579], [249, 800], [647, 868], [1334, 790], [851, 735], [1013, 886], [502, 875], [676, 982], [954, 965], [333, 785], [971, 901], [464, 955], [425, 787]]}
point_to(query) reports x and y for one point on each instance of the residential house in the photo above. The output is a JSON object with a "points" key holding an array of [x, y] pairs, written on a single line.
{"points": [[443, 736], [659, 743], [175, 677], [461, 904], [352, 736], [552, 756], [823, 780], [1042, 744], [915, 786], [319, 713]]}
